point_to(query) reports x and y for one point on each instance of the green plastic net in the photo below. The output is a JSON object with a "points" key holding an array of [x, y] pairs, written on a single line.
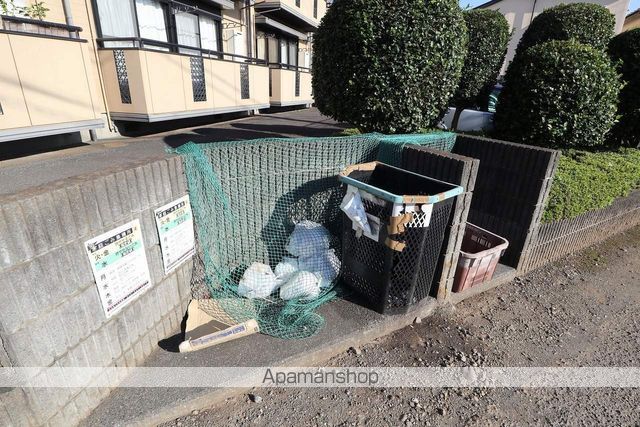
{"points": [[391, 146], [267, 215]]}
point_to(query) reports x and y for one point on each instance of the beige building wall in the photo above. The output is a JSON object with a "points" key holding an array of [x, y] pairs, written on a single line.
{"points": [[161, 88], [54, 81], [47, 81], [632, 21], [520, 13]]}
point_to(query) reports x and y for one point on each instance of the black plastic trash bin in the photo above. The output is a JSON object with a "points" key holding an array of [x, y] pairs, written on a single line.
{"points": [[393, 267]]}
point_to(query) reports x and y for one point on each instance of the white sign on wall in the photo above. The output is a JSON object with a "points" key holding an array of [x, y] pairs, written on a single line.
{"points": [[119, 265], [175, 230]]}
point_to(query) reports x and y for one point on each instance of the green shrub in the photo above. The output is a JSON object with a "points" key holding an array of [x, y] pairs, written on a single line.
{"points": [[586, 23], [349, 132], [488, 40], [624, 50], [388, 66], [558, 94], [586, 181]]}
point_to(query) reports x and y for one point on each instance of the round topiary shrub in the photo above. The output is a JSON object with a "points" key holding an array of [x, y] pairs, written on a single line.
{"points": [[558, 94], [586, 23], [624, 50], [388, 66], [488, 40]]}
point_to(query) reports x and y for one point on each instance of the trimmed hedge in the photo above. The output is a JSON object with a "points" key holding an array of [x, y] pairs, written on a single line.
{"points": [[488, 39], [587, 181], [388, 66], [558, 94], [586, 23], [624, 50]]}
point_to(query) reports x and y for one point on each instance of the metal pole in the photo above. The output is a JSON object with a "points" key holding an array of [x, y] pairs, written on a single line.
{"points": [[249, 28], [68, 17]]}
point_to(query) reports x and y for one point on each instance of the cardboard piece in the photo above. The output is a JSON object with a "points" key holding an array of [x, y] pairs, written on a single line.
{"points": [[203, 330]]}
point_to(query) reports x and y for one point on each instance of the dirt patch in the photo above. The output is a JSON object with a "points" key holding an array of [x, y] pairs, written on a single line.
{"points": [[581, 311]]}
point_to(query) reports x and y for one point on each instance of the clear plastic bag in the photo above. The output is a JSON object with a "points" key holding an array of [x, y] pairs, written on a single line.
{"points": [[325, 264], [308, 237], [303, 285], [258, 281], [286, 268]]}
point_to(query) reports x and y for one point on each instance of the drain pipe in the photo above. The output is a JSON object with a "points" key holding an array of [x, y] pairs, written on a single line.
{"points": [[68, 17], [247, 10], [94, 48], [533, 11]]}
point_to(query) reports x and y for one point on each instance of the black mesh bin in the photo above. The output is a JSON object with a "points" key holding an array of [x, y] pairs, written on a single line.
{"points": [[392, 267]]}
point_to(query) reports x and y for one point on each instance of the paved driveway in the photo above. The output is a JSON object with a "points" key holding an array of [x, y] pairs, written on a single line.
{"points": [[290, 124]]}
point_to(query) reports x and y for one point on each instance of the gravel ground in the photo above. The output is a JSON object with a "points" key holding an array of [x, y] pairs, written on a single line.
{"points": [[581, 311]]}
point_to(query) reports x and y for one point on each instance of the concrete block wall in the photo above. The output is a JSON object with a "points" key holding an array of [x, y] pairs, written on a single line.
{"points": [[511, 190], [50, 312], [559, 238], [459, 170]]}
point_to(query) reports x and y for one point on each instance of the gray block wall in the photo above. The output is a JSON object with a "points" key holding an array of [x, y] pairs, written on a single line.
{"points": [[455, 169], [50, 312], [511, 190]]}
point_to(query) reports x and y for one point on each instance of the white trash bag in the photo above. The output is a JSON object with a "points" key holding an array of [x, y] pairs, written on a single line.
{"points": [[308, 237], [303, 285], [286, 268], [258, 281], [325, 264]]}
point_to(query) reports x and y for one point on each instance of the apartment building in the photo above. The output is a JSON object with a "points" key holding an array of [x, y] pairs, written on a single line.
{"points": [[84, 64], [520, 13]]}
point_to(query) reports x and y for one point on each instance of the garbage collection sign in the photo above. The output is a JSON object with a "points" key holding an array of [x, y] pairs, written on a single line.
{"points": [[175, 230], [119, 265]]}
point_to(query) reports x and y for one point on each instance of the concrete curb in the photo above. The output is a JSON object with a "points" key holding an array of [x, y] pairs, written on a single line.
{"points": [[381, 326]]}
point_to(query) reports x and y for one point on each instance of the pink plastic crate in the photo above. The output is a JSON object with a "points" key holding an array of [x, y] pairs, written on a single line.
{"points": [[479, 256]]}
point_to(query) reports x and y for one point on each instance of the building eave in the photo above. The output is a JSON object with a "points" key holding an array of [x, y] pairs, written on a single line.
{"points": [[487, 4]]}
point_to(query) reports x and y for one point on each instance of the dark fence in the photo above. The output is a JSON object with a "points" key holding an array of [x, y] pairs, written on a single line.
{"points": [[511, 189], [560, 238], [457, 170]]}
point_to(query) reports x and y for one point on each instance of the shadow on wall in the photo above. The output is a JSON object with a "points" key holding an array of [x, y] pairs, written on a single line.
{"points": [[134, 129], [27, 147]]}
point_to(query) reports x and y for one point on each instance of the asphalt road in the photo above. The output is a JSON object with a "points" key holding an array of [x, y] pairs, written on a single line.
{"points": [[581, 311]]}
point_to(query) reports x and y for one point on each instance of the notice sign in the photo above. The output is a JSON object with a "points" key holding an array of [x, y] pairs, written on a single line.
{"points": [[175, 229], [119, 265]]}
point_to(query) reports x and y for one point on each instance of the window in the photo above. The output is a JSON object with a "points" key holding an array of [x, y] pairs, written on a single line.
{"points": [[188, 32], [151, 21], [315, 9], [298, 3], [284, 52], [117, 20], [209, 33], [273, 50], [293, 53], [261, 46], [157, 20]]}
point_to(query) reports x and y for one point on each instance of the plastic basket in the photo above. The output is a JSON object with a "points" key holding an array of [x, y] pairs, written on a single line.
{"points": [[479, 256], [394, 268]]}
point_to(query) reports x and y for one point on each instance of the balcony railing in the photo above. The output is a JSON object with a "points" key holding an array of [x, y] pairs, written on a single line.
{"points": [[34, 27], [289, 67], [45, 87], [147, 81], [289, 85], [149, 44]]}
